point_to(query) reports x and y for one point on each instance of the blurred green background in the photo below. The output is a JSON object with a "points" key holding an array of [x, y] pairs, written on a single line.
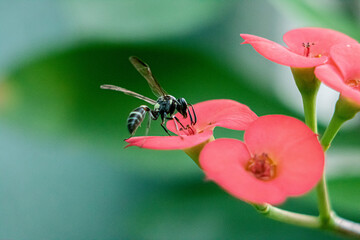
{"points": [[64, 172]]}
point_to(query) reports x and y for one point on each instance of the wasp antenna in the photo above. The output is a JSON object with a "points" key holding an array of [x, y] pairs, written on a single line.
{"points": [[106, 86], [132, 57], [137, 62]]}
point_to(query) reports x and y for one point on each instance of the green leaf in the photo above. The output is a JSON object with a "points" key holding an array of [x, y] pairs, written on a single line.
{"points": [[345, 197], [140, 19], [33, 28]]}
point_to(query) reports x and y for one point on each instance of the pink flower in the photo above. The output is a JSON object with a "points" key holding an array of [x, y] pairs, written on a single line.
{"points": [[222, 113], [307, 47], [280, 157], [343, 72]]}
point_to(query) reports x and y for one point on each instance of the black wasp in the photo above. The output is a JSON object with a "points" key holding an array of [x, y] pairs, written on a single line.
{"points": [[165, 106]]}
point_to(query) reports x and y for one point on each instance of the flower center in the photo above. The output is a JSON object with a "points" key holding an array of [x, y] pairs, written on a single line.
{"points": [[354, 83], [189, 130], [262, 167], [307, 48]]}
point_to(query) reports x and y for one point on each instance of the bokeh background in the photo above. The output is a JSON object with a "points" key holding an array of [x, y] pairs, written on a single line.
{"points": [[64, 172]]}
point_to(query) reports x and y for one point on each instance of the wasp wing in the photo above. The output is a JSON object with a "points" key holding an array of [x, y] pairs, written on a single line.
{"points": [[145, 71], [128, 92]]}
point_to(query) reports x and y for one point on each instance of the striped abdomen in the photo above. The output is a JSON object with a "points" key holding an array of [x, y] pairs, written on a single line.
{"points": [[135, 119]]}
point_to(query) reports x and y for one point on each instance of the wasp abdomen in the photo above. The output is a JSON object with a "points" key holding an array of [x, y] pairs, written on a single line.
{"points": [[135, 118]]}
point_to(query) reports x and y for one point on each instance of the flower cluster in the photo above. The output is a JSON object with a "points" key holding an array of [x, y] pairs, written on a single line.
{"points": [[334, 54], [343, 72], [279, 156]]}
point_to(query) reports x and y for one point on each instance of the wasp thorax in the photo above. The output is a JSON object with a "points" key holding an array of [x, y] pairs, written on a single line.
{"points": [[262, 167]]}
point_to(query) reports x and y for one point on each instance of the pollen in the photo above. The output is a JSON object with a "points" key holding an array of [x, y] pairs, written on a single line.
{"points": [[262, 167], [189, 130], [354, 83], [307, 48]]}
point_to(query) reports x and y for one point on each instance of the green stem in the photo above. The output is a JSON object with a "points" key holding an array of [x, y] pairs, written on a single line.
{"points": [[344, 111], [288, 217], [309, 103], [323, 201], [331, 131], [346, 227]]}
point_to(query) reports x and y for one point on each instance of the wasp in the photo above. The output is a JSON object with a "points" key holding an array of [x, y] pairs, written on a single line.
{"points": [[165, 106]]}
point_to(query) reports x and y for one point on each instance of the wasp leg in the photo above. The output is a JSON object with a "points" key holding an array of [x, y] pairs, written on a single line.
{"points": [[131, 135], [195, 118], [165, 129], [176, 126], [177, 130], [147, 129], [162, 114], [169, 118], [179, 122], [191, 119], [151, 116]]}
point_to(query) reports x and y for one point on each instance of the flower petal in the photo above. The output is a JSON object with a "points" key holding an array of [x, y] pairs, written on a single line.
{"points": [[320, 40], [223, 113], [224, 161], [330, 75], [169, 143], [347, 59], [292, 146], [352, 94], [279, 54]]}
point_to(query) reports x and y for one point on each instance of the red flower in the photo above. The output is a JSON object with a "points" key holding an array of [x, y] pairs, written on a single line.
{"points": [[307, 47], [343, 72], [222, 113], [280, 157]]}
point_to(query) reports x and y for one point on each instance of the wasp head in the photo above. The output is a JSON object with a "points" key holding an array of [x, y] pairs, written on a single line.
{"points": [[182, 107]]}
